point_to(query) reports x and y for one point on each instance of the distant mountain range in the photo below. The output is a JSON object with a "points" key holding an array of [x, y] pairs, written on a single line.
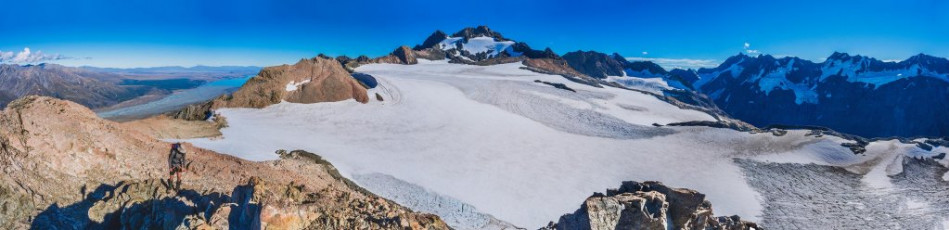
{"points": [[101, 87], [75, 84], [178, 69], [852, 94]]}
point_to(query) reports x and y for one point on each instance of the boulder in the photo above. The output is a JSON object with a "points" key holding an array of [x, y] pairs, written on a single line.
{"points": [[647, 205]]}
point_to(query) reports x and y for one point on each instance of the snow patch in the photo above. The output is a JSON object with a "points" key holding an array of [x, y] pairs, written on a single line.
{"points": [[293, 86], [479, 45], [654, 85]]}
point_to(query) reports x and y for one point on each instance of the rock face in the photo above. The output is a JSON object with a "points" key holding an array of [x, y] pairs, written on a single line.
{"points": [[312, 80], [595, 64], [402, 55], [65, 168], [600, 65], [647, 205], [74, 84], [319, 79], [851, 94]]}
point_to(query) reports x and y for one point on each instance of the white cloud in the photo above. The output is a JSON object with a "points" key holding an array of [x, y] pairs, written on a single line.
{"points": [[749, 50], [678, 63], [5, 55], [645, 53], [28, 56]]}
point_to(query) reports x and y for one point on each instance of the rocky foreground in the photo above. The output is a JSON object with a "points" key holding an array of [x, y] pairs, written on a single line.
{"points": [[65, 168], [648, 205]]}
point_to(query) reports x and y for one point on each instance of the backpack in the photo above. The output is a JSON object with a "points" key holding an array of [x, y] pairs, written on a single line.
{"points": [[176, 158]]}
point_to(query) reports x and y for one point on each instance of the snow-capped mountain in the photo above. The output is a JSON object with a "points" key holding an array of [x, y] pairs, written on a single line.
{"points": [[852, 94], [472, 45]]}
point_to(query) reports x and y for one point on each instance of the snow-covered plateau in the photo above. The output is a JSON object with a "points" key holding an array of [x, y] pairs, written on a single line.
{"points": [[491, 141]]}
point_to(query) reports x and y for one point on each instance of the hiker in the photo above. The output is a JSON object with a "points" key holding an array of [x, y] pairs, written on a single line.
{"points": [[177, 164]]}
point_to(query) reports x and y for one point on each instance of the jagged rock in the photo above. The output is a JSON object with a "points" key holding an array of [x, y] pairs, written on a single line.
{"points": [[640, 210], [480, 31], [66, 168], [432, 40], [595, 64], [527, 51], [402, 55], [648, 205]]}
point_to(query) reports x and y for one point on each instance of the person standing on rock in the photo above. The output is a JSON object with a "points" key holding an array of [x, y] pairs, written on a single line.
{"points": [[177, 164]]}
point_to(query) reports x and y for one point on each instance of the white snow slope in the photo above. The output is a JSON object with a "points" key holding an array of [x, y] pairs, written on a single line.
{"points": [[520, 151]]}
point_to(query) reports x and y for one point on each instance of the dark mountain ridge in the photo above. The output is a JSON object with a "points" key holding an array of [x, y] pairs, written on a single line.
{"points": [[851, 94]]}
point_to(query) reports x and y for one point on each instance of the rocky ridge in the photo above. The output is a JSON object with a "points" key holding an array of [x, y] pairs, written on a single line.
{"points": [[601, 65], [65, 168]]}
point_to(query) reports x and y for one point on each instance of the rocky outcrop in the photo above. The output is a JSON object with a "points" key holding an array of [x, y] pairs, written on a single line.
{"points": [[65, 168], [559, 67], [480, 31], [601, 65], [402, 55], [648, 205], [318, 79], [405, 55], [432, 40], [595, 64]]}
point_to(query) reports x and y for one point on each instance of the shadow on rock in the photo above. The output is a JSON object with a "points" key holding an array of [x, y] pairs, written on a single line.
{"points": [[150, 205]]}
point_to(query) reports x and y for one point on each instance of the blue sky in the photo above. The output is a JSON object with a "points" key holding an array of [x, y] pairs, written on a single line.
{"points": [[131, 33]]}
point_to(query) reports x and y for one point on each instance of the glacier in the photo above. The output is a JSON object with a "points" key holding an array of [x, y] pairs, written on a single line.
{"points": [[525, 153]]}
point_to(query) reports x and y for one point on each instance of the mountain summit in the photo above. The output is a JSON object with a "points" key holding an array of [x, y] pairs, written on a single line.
{"points": [[478, 45]]}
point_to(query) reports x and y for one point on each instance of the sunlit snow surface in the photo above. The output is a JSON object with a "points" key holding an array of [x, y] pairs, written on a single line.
{"points": [[522, 152]]}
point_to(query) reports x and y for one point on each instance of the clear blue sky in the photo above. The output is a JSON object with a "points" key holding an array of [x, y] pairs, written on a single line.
{"points": [[132, 33]]}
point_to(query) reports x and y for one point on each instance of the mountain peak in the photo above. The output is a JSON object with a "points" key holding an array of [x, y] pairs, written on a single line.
{"points": [[432, 40], [480, 31], [839, 56], [619, 57]]}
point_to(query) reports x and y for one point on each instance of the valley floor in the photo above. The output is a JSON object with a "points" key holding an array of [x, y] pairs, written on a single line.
{"points": [[506, 150]]}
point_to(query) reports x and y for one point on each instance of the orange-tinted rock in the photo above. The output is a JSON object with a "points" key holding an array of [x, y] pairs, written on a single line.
{"points": [[308, 81]]}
